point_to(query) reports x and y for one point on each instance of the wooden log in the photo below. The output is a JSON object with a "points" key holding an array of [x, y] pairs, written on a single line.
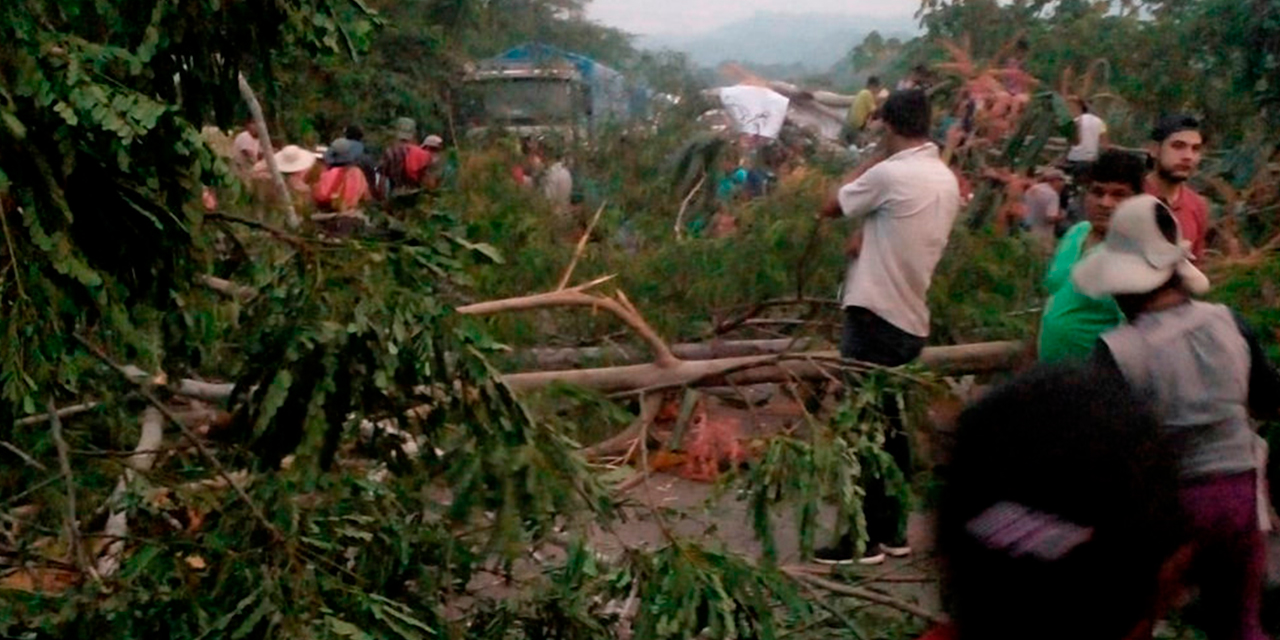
{"points": [[268, 153], [572, 357], [983, 357], [965, 359]]}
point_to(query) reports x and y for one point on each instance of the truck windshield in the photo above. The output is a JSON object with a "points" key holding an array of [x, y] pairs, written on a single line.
{"points": [[526, 101]]}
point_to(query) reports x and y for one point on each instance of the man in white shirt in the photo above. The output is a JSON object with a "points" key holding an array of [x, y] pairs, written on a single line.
{"points": [[1091, 136], [907, 204]]}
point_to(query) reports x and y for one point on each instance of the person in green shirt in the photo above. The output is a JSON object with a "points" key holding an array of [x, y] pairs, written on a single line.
{"points": [[1072, 321]]}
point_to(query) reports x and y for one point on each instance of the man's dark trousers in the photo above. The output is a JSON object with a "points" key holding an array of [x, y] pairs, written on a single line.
{"points": [[869, 338]]}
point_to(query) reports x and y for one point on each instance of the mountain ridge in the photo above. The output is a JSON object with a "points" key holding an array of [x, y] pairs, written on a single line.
{"points": [[816, 41]]}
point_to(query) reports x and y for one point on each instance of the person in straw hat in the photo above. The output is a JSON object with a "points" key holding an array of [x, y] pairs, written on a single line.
{"points": [[1203, 372], [295, 165]]}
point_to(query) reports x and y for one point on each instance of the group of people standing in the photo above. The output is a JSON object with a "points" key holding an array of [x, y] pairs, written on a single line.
{"points": [[1151, 389], [344, 177]]}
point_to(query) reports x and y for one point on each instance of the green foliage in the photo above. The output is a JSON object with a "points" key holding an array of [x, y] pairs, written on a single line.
{"points": [[986, 287], [101, 160], [829, 465], [1140, 48], [689, 591]]}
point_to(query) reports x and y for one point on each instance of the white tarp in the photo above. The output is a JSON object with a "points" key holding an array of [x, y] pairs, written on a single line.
{"points": [[755, 110]]}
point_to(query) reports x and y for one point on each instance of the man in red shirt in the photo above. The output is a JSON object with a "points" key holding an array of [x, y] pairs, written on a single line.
{"points": [[1176, 148]]}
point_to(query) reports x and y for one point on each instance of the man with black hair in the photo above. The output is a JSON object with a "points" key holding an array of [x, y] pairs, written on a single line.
{"points": [[864, 104], [1059, 517], [918, 78], [907, 203], [1072, 321], [1203, 373], [1176, 147]]}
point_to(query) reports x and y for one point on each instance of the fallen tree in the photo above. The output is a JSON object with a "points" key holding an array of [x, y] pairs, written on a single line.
{"points": [[670, 370]]}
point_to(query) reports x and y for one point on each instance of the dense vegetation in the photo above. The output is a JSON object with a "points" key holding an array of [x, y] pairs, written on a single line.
{"points": [[469, 512]]}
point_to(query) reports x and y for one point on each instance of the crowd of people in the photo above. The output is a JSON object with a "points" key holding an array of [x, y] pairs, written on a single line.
{"points": [[342, 178], [1086, 497]]}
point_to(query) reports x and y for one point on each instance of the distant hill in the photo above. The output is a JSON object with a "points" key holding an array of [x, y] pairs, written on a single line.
{"points": [[811, 42]]}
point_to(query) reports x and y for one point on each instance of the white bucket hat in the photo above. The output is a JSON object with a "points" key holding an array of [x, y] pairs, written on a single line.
{"points": [[1136, 257], [293, 159]]}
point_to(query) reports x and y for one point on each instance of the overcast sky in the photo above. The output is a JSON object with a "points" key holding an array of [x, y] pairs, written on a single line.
{"points": [[689, 17]]}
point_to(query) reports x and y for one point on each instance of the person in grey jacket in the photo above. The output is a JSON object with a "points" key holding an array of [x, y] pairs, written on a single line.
{"points": [[1204, 374]]}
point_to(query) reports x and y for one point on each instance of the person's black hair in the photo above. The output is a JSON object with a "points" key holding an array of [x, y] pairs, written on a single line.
{"points": [[920, 70], [1059, 509], [907, 113], [1171, 124], [1118, 166], [353, 132], [873, 81]]}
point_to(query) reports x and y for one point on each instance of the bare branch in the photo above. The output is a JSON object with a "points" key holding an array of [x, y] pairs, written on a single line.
{"points": [[186, 432], [64, 412], [142, 460], [268, 153], [684, 206], [649, 407], [866, 594], [620, 307], [64, 462], [13, 255], [26, 457], [229, 288], [577, 251]]}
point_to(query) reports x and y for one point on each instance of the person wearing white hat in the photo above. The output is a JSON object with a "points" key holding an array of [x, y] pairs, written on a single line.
{"points": [[1203, 372], [294, 164], [433, 174]]}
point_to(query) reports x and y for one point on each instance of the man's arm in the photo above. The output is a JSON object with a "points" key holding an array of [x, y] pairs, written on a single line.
{"points": [[836, 203]]}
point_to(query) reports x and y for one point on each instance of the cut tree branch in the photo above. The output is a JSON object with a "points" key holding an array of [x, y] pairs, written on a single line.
{"points": [[64, 462], [983, 357], [229, 288], [577, 251], [684, 206], [142, 460], [649, 407], [619, 306], [191, 437], [26, 457], [268, 153], [64, 412], [866, 594]]}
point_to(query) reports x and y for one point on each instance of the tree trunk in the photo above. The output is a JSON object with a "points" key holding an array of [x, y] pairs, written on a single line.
{"points": [[983, 357]]}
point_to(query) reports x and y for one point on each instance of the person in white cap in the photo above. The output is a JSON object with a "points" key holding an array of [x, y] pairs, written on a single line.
{"points": [[1203, 372], [433, 175]]}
